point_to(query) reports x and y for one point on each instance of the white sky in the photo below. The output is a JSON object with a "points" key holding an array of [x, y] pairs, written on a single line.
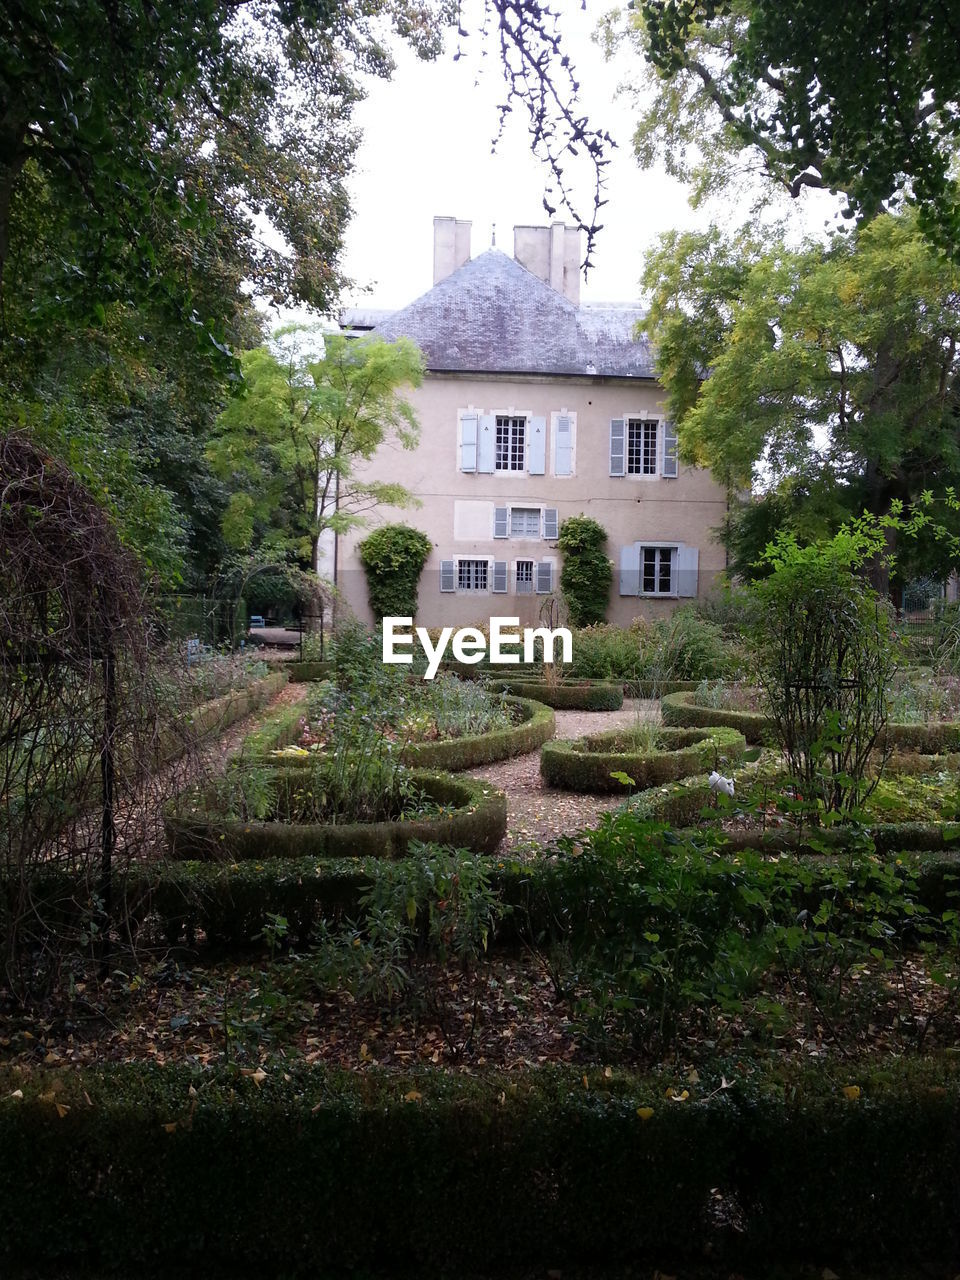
{"points": [[427, 150]]}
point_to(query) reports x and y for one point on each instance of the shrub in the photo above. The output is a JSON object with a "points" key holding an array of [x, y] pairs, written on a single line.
{"points": [[393, 557], [826, 656], [567, 695], [587, 573]]}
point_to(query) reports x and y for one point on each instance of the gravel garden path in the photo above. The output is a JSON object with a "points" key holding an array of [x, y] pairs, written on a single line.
{"points": [[537, 813]]}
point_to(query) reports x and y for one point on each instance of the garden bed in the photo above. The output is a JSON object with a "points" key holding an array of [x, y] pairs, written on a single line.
{"points": [[681, 710], [535, 724], [307, 672], [476, 819], [566, 695], [591, 763]]}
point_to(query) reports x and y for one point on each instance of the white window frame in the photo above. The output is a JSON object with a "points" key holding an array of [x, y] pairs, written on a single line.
{"points": [[473, 591], [659, 547], [528, 586], [642, 420], [513, 419], [554, 419], [525, 536]]}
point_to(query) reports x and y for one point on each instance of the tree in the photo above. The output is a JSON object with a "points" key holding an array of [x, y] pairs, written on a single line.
{"points": [[833, 373], [862, 98], [292, 446]]}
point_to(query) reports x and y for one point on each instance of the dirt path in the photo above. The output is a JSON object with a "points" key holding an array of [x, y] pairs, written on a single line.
{"points": [[537, 813]]}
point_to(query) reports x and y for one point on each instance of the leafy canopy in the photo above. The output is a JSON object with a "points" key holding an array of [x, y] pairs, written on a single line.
{"points": [[862, 98], [292, 446]]}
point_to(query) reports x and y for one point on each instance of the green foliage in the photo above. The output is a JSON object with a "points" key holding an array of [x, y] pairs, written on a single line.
{"points": [[645, 756], [393, 557], [573, 695], [832, 375], [684, 646], [792, 89], [826, 654], [292, 445], [587, 572]]}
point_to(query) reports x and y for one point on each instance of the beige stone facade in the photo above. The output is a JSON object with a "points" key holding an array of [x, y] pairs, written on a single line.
{"points": [[505, 456]]}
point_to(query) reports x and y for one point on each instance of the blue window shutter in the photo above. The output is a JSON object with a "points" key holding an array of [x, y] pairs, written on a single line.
{"points": [[551, 529], [669, 468], [544, 577], [537, 454], [499, 522], [500, 575], [630, 570], [487, 444], [447, 576], [617, 448], [563, 460], [688, 570], [468, 442]]}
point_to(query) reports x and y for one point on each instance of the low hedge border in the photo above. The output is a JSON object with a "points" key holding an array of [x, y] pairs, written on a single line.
{"points": [[536, 725], [589, 763], [306, 672], [596, 695], [681, 804], [478, 822], [657, 688], [140, 1168], [680, 711]]}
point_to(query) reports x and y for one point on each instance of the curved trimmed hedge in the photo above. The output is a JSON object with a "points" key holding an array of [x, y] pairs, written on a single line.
{"points": [[588, 763], [680, 711], [536, 725], [478, 822], [681, 804], [566, 695]]}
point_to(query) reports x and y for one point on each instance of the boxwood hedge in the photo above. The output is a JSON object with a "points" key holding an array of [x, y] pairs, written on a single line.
{"points": [[305, 672], [535, 725], [567, 695], [477, 819], [682, 711], [301, 1172], [589, 763]]}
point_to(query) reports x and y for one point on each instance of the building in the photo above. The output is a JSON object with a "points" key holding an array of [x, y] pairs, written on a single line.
{"points": [[535, 408]]}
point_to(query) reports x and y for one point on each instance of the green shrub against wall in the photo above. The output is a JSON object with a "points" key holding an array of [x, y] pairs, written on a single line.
{"points": [[393, 557], [587, 573]]}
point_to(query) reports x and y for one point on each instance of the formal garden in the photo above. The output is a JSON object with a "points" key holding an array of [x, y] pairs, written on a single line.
{"points": [[306, 946]]}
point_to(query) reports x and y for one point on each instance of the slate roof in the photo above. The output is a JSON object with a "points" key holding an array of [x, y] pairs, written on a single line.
{"points": [[494, 316]]}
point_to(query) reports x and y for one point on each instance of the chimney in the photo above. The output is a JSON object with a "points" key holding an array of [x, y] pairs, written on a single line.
{"points": [[451, 246], [553, 255]]}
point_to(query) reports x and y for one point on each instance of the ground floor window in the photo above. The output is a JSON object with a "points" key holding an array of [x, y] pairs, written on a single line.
{"points": [[471, 575], [656, 570], [524, 577]]}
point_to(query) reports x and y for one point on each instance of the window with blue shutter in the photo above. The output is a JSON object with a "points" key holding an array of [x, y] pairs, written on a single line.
{"points": [[669, 468], [500, 575], [617, 449], [563, 457], [551, 529], [537, 452], [468, 442], [499, 522], [447, 576], [544, 577], [630, 570], [487, 444]]}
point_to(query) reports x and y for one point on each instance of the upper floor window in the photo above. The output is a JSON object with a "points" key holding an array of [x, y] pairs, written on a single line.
{"points": [[641, 447], [511, 440], [524, 522]]}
